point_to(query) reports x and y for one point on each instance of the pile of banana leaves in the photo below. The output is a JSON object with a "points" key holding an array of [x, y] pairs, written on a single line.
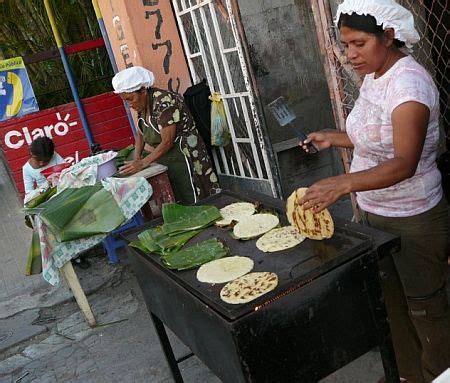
{"points": [[80, 213], [181, 223]]}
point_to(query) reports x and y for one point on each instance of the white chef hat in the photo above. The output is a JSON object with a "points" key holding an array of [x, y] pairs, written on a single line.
{"points": [[387, 13], [132, 79]]}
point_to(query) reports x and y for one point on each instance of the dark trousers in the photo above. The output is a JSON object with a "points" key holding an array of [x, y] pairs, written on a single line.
{"points": [[414, 282]]}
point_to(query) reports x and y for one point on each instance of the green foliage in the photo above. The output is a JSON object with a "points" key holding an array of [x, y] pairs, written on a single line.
{"points": [[26, 31]]}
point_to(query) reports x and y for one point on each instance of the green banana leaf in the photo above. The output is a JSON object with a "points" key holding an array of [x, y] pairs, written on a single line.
{"points": [[180, 218], [80, 213], [99, 215], [34, 260], [123, 155], [172, 243], [181, 223], [196, 255], [138, 245], [147, 239], [36, 201], [155, 241], [59, 211]]}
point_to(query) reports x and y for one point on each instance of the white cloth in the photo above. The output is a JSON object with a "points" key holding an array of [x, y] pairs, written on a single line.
{"points": [[369, 127], [387, 13], [32, 176], [84, 172], [132, 79]]}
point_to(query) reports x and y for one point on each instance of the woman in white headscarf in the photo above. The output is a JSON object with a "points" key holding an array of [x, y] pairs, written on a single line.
{"points": [[167, 129], [393, 130]]}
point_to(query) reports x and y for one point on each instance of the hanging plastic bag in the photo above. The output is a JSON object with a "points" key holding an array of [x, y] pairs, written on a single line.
{"points": [[220, 133]]}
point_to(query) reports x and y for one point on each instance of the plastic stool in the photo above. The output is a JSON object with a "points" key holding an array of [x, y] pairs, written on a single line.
{"points": [[111, 243]]}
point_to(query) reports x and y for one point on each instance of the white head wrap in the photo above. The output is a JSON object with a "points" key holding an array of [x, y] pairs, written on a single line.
{"points": [[387, 13], [132, 79]]}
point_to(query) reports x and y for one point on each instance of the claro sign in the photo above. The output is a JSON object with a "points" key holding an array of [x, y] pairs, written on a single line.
{"points": [[107, 120], [15, 139]]}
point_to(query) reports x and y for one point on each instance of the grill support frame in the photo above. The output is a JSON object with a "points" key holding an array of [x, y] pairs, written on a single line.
{"points": [[322, 324]]}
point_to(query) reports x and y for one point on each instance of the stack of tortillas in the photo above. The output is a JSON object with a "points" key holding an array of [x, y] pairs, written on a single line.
{"points": [[255, 225], [313, 226], [248, 287], [235, 212], [224, 269], [278, 239]]}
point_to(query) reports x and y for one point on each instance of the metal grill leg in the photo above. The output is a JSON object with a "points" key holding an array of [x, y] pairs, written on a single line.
{"points": [[381, 327], [388, 359], [167, 348]]}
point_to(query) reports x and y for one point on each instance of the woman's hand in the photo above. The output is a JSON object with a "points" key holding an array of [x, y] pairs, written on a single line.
{"points": [[149, 148], [132, 167], [324, 193], [318, 139]]}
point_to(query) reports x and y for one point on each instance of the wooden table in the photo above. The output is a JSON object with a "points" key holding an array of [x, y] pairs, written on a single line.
{"points": [[157, 177]]}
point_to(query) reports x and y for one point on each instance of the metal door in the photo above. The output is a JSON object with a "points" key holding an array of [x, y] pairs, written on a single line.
{"points": [[214, 52]]}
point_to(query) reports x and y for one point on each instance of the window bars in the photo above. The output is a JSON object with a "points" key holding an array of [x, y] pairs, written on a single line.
{"points": [[214, 51]]}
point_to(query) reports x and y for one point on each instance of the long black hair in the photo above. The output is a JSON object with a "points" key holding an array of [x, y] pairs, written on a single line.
{"points": [[365, 23]]}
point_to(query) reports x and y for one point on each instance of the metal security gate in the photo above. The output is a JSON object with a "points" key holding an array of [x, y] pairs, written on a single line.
{"points": [[214, 52], [432, 18]]}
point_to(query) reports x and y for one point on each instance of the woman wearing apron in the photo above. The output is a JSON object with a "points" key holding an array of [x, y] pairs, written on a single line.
{"points": [[167, 131]]}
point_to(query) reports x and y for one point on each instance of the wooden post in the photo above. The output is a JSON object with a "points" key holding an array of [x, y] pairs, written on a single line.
{"points": [[72, 280]]}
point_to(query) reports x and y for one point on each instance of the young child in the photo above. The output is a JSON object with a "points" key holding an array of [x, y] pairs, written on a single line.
{"points": [[43, 155]]}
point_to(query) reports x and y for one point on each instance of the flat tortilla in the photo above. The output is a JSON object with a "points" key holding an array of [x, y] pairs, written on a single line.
{"points": [[235, 212], [224, 270], [279, 239], [313, 226], [248, 287], [255, 225]]}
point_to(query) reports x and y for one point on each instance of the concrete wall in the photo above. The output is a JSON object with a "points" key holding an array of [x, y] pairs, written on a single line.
{"points": [[286, 61], [144, 32]]}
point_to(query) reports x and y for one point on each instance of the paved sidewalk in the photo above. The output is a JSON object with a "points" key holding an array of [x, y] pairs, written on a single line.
{"points": [[123, 349], [15, 240], [44, 337]]}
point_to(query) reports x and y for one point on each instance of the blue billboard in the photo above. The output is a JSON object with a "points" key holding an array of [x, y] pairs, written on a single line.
{"points": [[16, 93]]}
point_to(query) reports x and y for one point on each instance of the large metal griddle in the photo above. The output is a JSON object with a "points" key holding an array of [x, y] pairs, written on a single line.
{"points": [[293, 267], [326, 311]]}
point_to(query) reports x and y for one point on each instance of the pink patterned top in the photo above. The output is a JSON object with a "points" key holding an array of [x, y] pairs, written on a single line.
{"points": [[369, 127]]}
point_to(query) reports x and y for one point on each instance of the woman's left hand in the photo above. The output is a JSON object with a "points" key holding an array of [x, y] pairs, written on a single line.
{"points": [[132, 167], [324, 193]]}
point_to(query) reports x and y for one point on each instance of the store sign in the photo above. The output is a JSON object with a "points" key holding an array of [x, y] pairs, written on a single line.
{"points": [[16, 93], [107, 119], [16, 138]]}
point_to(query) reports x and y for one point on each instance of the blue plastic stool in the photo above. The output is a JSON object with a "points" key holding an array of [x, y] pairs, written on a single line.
{"points": [[111, 243]]}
